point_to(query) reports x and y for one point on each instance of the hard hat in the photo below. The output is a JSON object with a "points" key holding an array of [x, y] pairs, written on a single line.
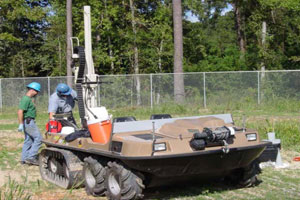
{"points": [[63, 89], [34, 85]]}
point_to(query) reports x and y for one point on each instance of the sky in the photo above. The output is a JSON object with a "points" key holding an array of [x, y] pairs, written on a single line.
{"points": [[191, 17], [194, 18]]}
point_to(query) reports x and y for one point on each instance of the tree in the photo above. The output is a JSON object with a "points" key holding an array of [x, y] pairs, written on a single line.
{"points": [[136, 53], [132, 36], [110, 50], [22, 30], [68, 42], [178, 52], [236, 4]]}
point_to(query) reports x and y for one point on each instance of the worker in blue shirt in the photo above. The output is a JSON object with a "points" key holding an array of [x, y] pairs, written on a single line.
{"points": [[62, 101]]}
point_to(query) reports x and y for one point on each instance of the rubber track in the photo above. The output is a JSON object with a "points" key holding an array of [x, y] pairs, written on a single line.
{"points": [[72, 162]]}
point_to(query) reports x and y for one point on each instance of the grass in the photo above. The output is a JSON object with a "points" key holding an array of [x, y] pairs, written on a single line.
{"points": [[10, 149], [8, 126], [275, 185], [6, 161], [14, 190], [281, 117]]}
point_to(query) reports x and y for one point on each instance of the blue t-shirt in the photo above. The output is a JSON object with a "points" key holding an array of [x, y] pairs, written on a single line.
{"points": [[59, 104]]}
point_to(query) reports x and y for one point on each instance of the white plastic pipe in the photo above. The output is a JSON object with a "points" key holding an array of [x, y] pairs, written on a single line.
{"points": [[92, 94], [88, 40]]}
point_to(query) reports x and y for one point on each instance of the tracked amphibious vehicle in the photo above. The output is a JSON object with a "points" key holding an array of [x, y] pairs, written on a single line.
{"points": [[121, 159]]}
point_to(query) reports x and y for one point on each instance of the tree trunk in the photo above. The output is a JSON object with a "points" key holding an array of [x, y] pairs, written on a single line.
{"points": [[159, 55], [111, 55], [22, 67], [110, 51], [13, 68], [136, 54], [178, 52], [59, 55], [238, 24], [160, 50], [263, 43], [69, 35]]}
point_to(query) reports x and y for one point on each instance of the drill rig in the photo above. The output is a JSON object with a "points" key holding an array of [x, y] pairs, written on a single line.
{"points": [[120, 160], [85, 78]]}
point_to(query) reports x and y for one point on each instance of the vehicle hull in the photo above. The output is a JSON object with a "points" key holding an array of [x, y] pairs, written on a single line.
{"points": [[206, 164]]}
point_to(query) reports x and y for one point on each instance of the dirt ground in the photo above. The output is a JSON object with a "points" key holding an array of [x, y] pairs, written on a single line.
{"points": [[11, 141], [10, 168]]}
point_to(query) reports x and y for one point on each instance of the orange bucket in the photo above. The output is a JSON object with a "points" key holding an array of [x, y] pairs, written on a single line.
{"points": [[100, 131]]}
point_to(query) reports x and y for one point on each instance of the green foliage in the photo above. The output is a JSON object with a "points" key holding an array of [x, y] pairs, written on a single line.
{"points": [[22, 27], [14, 190], [33, 43], [287, 130], [8, 37], [287, 4]]}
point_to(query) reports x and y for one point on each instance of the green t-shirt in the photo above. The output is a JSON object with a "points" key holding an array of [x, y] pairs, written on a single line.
{"points": [[28, 107]]}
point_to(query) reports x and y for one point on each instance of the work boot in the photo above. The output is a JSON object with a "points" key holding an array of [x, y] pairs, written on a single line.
{"points": [[32, 161]]}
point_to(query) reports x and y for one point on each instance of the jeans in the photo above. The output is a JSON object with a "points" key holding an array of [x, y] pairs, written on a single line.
{"points": [[32, 142]]}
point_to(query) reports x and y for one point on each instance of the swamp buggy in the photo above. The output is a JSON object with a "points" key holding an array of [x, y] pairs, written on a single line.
{"points": [[121, 159]]}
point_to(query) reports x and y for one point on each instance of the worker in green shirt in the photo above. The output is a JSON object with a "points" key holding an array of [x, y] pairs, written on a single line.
{"points": [[26, 117]]}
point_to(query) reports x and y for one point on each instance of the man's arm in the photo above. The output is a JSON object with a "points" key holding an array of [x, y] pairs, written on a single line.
{"points": [[53, 106], [51, 115], [21, 120], [20, 116]]}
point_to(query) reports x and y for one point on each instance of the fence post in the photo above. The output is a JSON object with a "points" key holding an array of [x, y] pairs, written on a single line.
{"points": [[98, 91], [131, 93], [49, 92], [1, 94], [204, 90], [151, 95], [258, 88]]}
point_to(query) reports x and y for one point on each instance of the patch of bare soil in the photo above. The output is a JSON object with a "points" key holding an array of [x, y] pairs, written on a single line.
{"points": [[11, 134], [20, 173], [61, 194], [288, 156], [25, 174], [8, 121], [11, 144], [11, 140]]}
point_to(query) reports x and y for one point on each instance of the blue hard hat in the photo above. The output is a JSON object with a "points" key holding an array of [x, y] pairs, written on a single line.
{"points": [[63, 89], [34, 85]]}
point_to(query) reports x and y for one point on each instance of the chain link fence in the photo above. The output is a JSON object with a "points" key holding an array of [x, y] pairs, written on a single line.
{"points": [[201, 88]]}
